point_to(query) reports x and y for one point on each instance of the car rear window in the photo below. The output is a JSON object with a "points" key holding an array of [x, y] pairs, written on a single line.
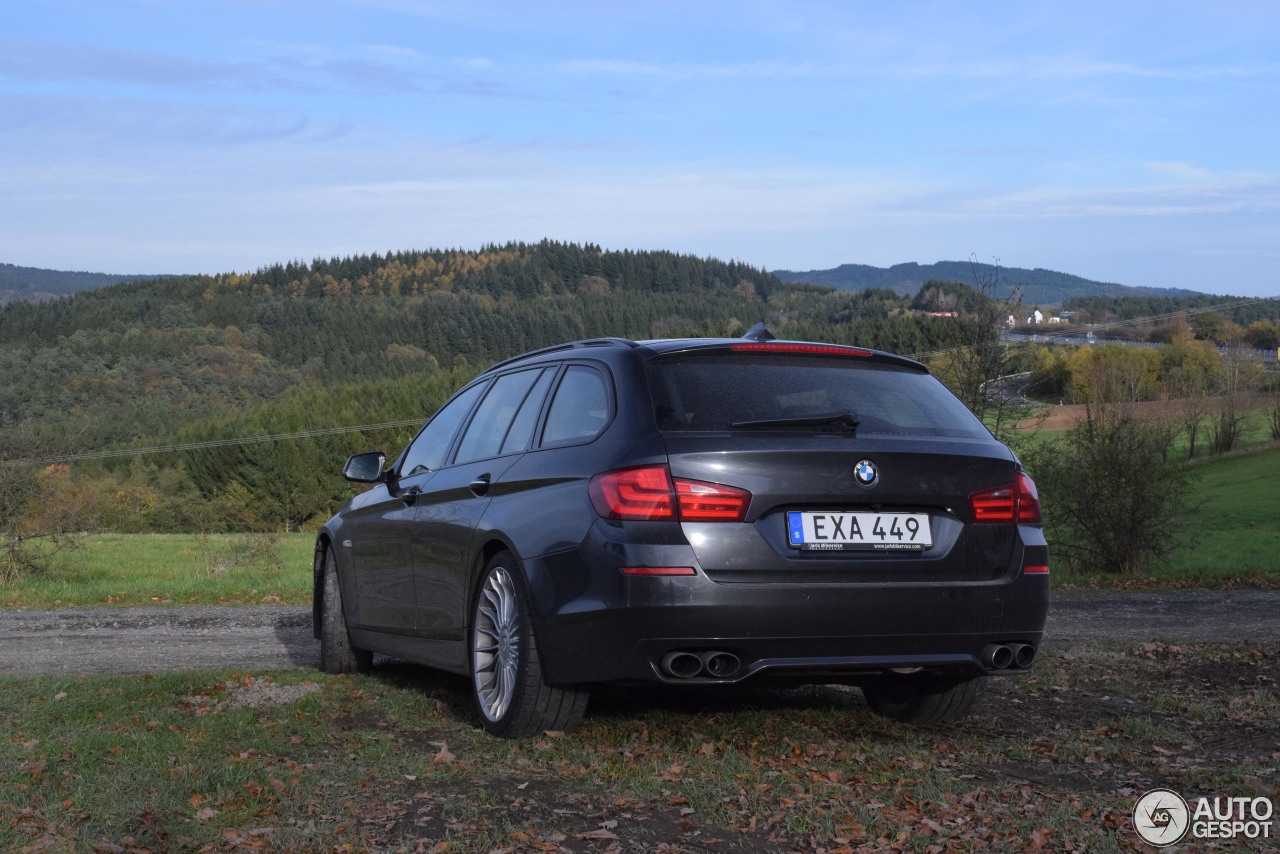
{"points": [[717, 391]]}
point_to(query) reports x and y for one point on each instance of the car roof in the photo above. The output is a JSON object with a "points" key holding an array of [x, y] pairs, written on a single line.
{"points": [[758, 339]]}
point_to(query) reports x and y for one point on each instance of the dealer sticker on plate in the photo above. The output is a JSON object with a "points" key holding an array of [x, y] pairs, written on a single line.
{"points": [[859, 531]]}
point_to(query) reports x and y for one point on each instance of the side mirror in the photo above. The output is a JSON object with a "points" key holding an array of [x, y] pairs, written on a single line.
{"points": [[365, 468]]}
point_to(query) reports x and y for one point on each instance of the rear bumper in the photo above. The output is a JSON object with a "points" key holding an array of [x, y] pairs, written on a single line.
{"points": [[595, 624]]}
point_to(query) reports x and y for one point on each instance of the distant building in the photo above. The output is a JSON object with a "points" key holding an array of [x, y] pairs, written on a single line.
{"points": [[944, 314], [1035, 317]]}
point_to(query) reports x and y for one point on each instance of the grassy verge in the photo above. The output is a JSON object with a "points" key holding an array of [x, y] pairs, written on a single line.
{"points": [[155, 569], [297, 761]]}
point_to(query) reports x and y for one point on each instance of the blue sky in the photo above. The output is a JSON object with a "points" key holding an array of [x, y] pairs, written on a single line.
{"points": [[1121, 141]]}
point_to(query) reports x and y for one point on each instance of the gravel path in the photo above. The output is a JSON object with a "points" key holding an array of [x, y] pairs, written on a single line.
{"points": [[135, 640]]}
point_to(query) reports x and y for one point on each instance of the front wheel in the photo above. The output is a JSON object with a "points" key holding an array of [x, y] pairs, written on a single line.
{"points": [[509, 686], [923, 698], [337, 654]]}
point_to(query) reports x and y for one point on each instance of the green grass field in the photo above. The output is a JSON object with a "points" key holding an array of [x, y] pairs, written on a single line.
{"points": [[156, 569], [1238, 521]]}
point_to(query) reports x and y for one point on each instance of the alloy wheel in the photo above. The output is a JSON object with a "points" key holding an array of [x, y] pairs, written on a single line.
{"points": [[495, 657]]}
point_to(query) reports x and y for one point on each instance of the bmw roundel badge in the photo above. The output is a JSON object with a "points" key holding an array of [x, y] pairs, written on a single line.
{"points": [[865, 472]]}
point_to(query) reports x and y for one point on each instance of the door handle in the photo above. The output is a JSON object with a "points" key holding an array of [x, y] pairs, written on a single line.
{"points": [[410, 495], [481, 485]]}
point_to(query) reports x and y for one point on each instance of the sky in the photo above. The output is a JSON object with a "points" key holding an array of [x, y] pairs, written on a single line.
{"points": [[1126, 142]]}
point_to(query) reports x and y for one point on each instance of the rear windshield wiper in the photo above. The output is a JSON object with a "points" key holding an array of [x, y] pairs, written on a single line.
{"points": [[844, 422]]}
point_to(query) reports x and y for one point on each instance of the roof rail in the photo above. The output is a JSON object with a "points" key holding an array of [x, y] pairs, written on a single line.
{"points": [[572, 345]]}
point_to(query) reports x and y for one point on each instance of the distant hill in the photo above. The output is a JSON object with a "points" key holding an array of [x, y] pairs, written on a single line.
{"points": [[33, 284], [1039, 286]]}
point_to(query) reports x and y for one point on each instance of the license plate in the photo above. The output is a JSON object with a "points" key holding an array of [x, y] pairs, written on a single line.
{"points": [[859, 531]]}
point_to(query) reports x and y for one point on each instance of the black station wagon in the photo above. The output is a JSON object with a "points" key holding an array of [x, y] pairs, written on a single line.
{"points": [[692, 512]]}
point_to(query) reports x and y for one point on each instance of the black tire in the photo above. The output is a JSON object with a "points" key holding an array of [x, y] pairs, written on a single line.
{"points": [[508, 685], [337, 653], [923, 698]]}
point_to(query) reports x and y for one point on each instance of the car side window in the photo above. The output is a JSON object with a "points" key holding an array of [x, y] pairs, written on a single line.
{"points": [[484, 436], [429, 449], [520, 436], [580, 409]]}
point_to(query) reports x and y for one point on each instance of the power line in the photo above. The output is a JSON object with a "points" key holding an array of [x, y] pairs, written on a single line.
{"points": [[211, 443]]}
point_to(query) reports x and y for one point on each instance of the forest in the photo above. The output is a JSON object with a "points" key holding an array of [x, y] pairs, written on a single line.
{"points": [[345, 342]]}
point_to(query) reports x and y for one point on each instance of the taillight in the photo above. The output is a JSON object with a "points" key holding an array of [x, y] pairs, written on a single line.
{"points": [[1028, 501], [711, 502], [639, 494], [1014, 502], [649, 494]]}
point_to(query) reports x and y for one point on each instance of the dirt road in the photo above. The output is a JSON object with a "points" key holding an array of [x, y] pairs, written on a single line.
{"points": [[136, 640]]}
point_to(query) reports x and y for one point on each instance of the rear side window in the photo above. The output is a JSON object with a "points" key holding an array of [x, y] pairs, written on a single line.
{"points": [[580, 409], [716, 391]]}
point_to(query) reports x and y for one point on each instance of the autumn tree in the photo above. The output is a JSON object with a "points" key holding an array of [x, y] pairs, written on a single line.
{"points": [[1240, 372], [1263, 335], [41, 511], [1191, 369]]}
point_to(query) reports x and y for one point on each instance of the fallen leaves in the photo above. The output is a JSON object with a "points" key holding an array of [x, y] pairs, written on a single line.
{"points": [[443, 756], [1052, 764]]}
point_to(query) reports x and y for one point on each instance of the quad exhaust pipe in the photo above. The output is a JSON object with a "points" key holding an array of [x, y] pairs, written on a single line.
{"points": [[712, 665], [684, 664], [999, 656]]}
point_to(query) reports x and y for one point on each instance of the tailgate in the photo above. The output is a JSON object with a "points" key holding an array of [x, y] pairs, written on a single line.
{"points": [[916, 480]]}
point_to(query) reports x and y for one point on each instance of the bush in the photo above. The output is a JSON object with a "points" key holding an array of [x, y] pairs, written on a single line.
{"points": [[1111, 499]]}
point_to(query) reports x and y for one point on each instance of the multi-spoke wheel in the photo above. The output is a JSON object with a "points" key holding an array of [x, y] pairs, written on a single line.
{"points": [[508, 683], [496, 653], [337, 654]]}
